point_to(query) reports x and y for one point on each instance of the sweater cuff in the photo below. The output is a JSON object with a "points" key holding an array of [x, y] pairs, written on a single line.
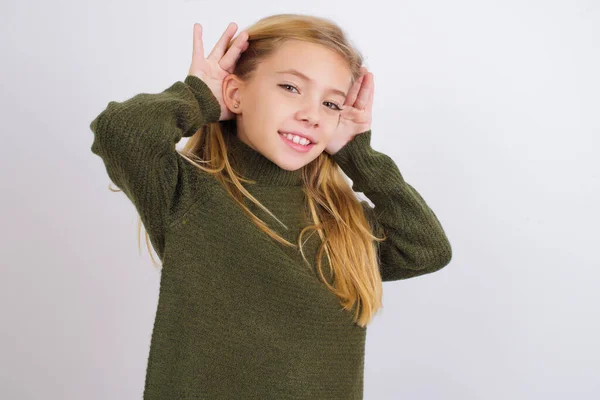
{"points": [[360, 143], [209, 105]]}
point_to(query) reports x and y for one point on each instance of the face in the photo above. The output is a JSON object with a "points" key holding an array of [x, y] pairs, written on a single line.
{"points": [[300, 88]]}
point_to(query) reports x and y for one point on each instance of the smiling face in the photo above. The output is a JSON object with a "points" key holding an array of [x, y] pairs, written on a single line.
{"points": [[299, 88]]}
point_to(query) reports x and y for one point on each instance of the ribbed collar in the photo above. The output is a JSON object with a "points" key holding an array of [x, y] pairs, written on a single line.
{"points": [[253, 165]]}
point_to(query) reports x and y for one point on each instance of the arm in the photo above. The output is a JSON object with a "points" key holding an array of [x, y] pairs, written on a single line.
{"points": [[136, 140], [416, 243]]}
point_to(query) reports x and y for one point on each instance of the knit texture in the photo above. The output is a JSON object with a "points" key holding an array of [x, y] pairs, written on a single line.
{"points": [[239, 315]]}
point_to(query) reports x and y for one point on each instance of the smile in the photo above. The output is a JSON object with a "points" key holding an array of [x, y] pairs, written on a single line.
{"points": [[303, 148]]}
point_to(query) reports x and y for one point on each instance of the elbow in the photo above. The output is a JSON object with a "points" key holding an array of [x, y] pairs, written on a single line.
{"points": [[399, 266], [442, 256], [446, 255], [436, 259]]}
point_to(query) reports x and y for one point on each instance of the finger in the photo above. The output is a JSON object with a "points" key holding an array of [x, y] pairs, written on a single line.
{"points": [[198, 47], [217, 52], [351, 96], [363, 95], [363, 70], [369, 106], [233, 54]]}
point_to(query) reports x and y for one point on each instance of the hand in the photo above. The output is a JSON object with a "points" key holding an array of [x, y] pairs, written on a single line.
{"points": [[357, 112], [218, 65]]}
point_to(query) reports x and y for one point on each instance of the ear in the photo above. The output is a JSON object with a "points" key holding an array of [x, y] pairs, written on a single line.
{"points": [[232, 93]]}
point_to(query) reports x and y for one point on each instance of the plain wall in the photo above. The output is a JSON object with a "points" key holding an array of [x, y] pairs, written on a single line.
{"points": [[489, 108]]}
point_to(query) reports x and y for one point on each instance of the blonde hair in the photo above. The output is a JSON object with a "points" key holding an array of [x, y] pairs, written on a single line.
{"points": [[338, 216]]}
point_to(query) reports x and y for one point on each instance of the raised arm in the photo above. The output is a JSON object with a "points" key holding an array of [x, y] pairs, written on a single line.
{"points": [[136, 140], [416, 243]]}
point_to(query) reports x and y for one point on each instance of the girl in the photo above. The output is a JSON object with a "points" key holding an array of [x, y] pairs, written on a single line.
{"points": [[252, 303]]}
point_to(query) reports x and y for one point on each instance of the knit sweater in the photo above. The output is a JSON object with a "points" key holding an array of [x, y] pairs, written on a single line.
{"points": [[239, 315]]}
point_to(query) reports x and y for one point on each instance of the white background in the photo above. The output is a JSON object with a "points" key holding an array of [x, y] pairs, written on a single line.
{"points": [[489, 108]]}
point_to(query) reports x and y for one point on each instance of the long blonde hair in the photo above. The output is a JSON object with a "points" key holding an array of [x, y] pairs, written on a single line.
{"points": [[338, 217]]}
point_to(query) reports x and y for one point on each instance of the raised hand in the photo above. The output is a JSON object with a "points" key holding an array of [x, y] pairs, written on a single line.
{"points": [[219, 63], [356, 116]]}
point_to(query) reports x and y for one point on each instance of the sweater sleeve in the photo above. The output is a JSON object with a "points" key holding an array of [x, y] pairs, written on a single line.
{"points": [[136, 140], [416, 243]]}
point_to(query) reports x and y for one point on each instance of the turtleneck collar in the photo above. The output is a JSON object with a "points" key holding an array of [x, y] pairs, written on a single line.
{"points": [[253, 165]]}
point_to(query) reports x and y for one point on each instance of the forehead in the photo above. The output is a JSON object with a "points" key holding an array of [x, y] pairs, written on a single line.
{"points": [[320, 64]]}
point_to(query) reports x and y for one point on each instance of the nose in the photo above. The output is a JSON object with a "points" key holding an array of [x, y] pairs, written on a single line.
{"points": [[310, 112]]}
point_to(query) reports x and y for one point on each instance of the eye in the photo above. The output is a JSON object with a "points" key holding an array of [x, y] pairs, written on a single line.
{"points": [[335, 106], [286, 85]]}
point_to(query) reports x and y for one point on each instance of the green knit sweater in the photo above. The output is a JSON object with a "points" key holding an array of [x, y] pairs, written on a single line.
{"points": [[239, 315]]}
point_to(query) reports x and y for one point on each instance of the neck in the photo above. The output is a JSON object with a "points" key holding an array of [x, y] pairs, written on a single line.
{"points": [[251, 164]]}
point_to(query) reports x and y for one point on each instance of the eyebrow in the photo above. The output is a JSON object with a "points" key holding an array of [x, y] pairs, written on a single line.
{"points": [[306, 78]]}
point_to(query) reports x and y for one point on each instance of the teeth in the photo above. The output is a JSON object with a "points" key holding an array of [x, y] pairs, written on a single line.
{"points": [[297, 139]]}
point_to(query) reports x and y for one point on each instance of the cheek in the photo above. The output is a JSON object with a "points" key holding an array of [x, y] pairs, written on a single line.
{"points": [[329, 126], [258, 116], [271, 109]]}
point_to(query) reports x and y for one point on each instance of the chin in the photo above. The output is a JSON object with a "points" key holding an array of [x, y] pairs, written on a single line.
{"points": [[291, 166], [294, 162]]}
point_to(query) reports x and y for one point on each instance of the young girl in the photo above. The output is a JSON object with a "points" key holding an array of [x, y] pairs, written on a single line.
{"points": [[271, 265]]}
